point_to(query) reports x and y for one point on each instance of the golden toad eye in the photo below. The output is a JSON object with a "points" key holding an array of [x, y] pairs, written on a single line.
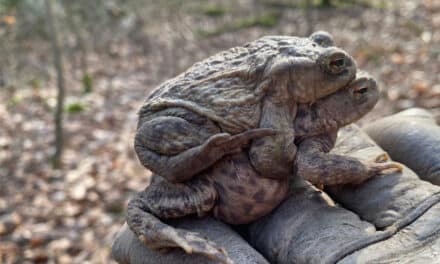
{"points": [[361, 90], [337, 63]]}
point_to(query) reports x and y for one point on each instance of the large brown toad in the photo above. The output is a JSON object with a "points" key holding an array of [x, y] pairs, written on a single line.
{"points": [[214, 109], [235, 192], [219, 105], [188, 123]]}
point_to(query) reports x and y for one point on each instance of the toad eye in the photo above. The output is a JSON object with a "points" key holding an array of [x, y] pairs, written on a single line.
{"points": [[337, 64], [361, 90]]}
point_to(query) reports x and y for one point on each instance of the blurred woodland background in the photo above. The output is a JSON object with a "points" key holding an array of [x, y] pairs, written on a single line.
{"points": [[108, 54]]}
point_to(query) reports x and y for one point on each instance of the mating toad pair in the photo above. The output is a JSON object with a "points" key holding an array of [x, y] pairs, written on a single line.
{"points": [[226, 136]]}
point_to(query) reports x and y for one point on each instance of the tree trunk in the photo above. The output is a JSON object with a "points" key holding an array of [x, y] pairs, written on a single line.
{"points": [[74, 17], [58, 63]]}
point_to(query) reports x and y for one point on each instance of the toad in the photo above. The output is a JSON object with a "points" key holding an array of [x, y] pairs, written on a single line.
{"points": [[233, 190]]}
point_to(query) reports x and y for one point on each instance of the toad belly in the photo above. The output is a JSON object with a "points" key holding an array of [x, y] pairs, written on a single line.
{"points": [[243, 194]]}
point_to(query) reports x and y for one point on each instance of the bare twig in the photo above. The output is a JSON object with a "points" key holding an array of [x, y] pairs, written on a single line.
{"points": [[58, 63]]}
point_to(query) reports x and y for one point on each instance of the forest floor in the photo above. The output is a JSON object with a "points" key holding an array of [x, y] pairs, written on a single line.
{"points": [[71, 215]]}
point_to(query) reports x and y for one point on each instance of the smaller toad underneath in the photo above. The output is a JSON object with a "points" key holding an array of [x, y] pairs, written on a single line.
{"points": [[233, 191]]}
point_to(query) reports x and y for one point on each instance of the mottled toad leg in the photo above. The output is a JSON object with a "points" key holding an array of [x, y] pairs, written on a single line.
{"points": [[314, 164], [163, 199], [177, 149]]}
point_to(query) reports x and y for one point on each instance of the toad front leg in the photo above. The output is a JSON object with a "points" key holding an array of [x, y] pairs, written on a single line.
{"points": [[314, 164], [167, 200], [275, 154]]}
